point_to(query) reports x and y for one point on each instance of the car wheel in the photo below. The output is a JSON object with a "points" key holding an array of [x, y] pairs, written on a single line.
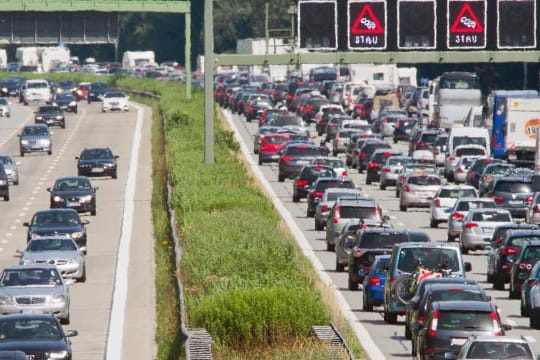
{"points": [[366, 304], [295, 198], [512, 294], [310, 213], [390, 318], [382, 186], [464, 250], [368, 180], [498, 284], [260, 161], [49, 152], [93, 212], [339, 267], [75, 111], [330, 247], [89, 101], [408, 334], [395, 140], [352, 285], [281, 178], [318, 226], [115, 174], [450, 238], [397, 193], [433, 224], [402, 207], [83, 277], [64, 125], [22, 153], [489, 278], [523, 309], [6, 198], [16, 182]]}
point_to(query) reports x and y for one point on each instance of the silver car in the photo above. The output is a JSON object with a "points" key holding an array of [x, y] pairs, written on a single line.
{"points": [[35, 138], [34, 288], [327, 202], [532, 216], [391, 169], [60, 251], [478, 227], [416, 168], [5, 109], [444, 201], [12, 168], [494, 347], [462, 167], [418, 190], [461, 209], [341, 140]]}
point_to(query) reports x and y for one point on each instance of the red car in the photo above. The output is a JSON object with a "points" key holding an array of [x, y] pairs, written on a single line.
{"points": [[271, 146], [82, 91]]}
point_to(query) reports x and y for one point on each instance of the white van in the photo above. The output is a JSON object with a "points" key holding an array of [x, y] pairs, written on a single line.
{"points": [[468, 135], [36, 90]]}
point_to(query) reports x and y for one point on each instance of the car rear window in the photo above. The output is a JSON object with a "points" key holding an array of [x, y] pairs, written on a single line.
{"points": [[381, 266], [470, 151], [358, 212], [456, 294], [431, 257], [429, 137], [497, 170], [381, 240], [425, 180], [276, 139], [333, 196], [468, 205], [456, 193], [335, 163], [465, 140], [323, 185], [513, 187], [303, 151], [531, 253], [465, 320], [491, 216], [518, 241], [498, 350]]}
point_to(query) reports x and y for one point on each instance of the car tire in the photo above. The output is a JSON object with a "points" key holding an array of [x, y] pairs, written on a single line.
{"points": [[339, 267], [310, 213], [6, 198], [281, 178], [64, 125], [498, 283], [395, 140], [330, 247], [93, 212], [83, 277], [366, 304], [390, 318], [450, 238], [295, 198], [408, 334], [464, 250], [402, 207], [489, 278], [49, 152], [22, 153], [318, 226], [433, 224], [382, 186], [522, 309], [352, 285], [115, 174], [512, 294], [368, 180], [260, 161], [397, 193], [16, 182]]}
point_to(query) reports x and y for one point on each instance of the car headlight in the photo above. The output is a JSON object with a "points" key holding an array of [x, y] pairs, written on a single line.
{"points": [[86, 198], [24, 142], [3, 182], [39, 117], [35, 236], [73, 103], [4, 89], [59, 117], [58, 299], [58, 199], [77, 235], [63, 354], [26, 262], [6, 300], [45, 142]]}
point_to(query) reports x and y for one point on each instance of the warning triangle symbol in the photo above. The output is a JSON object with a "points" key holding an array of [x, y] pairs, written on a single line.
{"points": [[366, 23], [467, 21]]}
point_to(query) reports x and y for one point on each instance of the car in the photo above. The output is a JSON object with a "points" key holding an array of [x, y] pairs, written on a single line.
{"points": [[424, 153], [5, 108], [336, 163], [450, 165], [11, 168], [378, 158], [51, 115], [391, 169], [532, 216], [345, 209], [97, 161], [373, 285], [477, 168], [528, 284], [341, 140], [478, 227], [448, 324], [307, 176], [439, 150], [66, 102], [35, 138], [505, 244], [490, 173], [295, 156], [11, 86], [96, 90], [4, 184], [37, 288], [321, 118], [61, 251], [38, 336], [463, 165], [66, 86], [403, 129], [513, 193], [82, 90], [403, 261], [74, 192], [461, 209], [333, 125], [439, 291], [320, 185], [57, 222], [528, 255], [367, 150], [115, 100], [444, 199], [410, 168], [370, 242], [270, 147], [325, 204], [419, 135], [494, 347], [261, 131], [418, 190]]}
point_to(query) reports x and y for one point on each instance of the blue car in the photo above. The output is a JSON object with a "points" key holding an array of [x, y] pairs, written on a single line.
{"points": [[374, 283]]}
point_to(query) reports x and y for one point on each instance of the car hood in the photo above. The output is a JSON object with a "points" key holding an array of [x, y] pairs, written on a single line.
{"points": [[34, 345]]}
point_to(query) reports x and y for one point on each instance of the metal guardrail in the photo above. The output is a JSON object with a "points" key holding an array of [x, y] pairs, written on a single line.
{"points": [[335, 344]]}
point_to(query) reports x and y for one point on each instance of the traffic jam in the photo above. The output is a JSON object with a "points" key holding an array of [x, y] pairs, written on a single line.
{"points": [[422, 206]]}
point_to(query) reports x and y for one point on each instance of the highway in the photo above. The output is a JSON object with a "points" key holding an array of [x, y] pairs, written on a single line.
{"points": [[389, 339], [91, 302]]}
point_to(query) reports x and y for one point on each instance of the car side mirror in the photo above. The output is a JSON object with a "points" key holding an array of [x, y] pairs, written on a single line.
{"points": [[386, 218], [18, 163], [116, 156], [82, 250], [26, 224], [96, 188], [49, 189], [449, 355], [488, 297], [468, 266], [19, 252], [76, 158], [71, 333], [85, 222]]}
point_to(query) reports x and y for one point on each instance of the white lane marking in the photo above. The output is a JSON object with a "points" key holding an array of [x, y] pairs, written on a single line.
{"points": [[115, 331], [361, 332], [4, 241]]}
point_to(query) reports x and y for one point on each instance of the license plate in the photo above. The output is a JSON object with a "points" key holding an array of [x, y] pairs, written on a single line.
{"points": [[73, 203], [302, 162], [515, 202], [36, 147], [458, 341], [97, 170], [486, 230]]}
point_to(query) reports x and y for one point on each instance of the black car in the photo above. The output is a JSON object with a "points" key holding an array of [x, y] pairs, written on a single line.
{"points": [[513, 193], [4, 183], [378, 159], [74, 192], [66, 102], [522, 265], [295, 156], [316, 191], [97, 90], [307, 176], [66, 86], [50, 115], [38, 336], [403, 129], [53, 222], [97, 162], [11, 86]]}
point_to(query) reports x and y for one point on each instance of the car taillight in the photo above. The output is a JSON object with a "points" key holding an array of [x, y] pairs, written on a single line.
{"points": [[421, 319], [533, 282], [530, 199], [460, 170], [309, 109], [375, 281], [498, 199], [301, 182], [335, 219], [357, 252], [359, 106], [452, 158], [289, 96], [487, 178], [469, 226], [457, 216], [286, 158], [497, 331], [402, 179], [434, 322], [344, 173], [509, 251], [317, 194], [372, 165], [386, 170], [324, 208], [438, 202], [536, 209], [407, 188], [362, 155], [525, 266]]}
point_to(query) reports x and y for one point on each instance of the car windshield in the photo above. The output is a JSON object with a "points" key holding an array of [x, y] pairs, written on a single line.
{"points": [[40, 245], [498, 350], [72, 184], [50, 218], [431, 257], [29, 329], [36, 131], [497, 169], [96, 154], [30, 277], [6, 160], [359, 212]]}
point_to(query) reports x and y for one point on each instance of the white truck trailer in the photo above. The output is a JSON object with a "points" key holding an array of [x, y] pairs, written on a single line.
{"points": [[134, 59], [50, 56], [522, 119]]}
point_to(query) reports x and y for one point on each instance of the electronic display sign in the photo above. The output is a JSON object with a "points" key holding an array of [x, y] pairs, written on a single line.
{"points": [[516, 24], [417, 24], [367, 25], [317, 27], [466, 24]]}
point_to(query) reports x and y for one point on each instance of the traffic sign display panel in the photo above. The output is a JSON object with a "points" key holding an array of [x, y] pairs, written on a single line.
{"points": [[516, 24], [317, 25], [466, 24], [367, 25], [417, 24]]}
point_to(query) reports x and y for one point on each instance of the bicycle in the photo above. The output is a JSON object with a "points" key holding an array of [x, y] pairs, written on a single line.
{"points": [[404, 288]]}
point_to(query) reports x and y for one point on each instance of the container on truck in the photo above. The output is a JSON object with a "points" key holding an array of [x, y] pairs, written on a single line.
{"points": [[135, 59], [522, 120]]}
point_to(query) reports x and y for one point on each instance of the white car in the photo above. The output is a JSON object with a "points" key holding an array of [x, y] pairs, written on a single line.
{"points": [[445, 199], [5, 109], [115, 100]]}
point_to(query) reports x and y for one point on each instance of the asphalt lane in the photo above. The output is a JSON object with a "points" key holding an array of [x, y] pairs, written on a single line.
{"points": [[389, 339], [91, 301]]}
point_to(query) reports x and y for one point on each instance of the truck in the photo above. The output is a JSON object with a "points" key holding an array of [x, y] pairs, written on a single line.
{"points": [[50, 56], [522, 120], [135, 59], [27, 56]]}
